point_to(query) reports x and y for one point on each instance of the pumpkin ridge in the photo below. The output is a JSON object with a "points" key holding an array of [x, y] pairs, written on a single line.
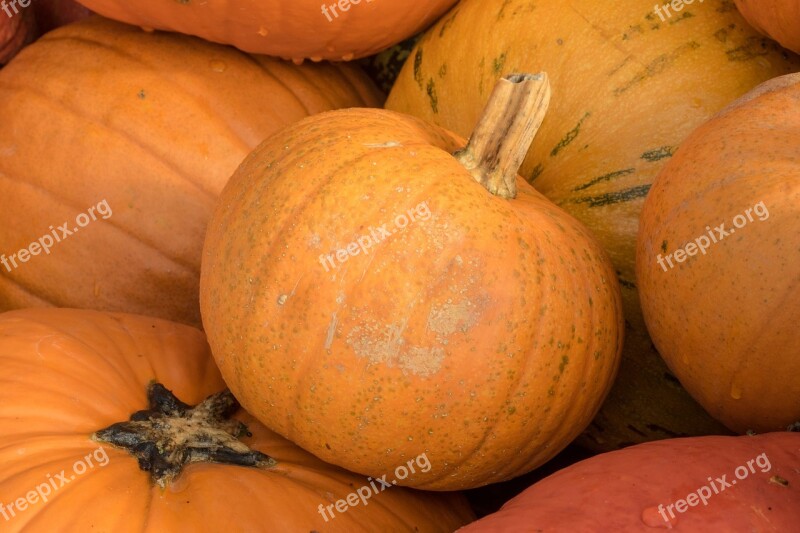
{"points": [[7, 278], [263, 67], [187, 91]]}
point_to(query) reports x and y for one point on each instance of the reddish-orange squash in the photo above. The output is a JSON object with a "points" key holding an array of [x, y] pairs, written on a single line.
{"points": [[151, 124], [296, 29], [779, 19], [367, 298], [683, 485], [628, 88], [16, 30], [71, 377], [717, 260]]}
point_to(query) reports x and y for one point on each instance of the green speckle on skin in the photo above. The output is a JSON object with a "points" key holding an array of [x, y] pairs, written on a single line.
{"points": [[658, 66], [512, 410], [563, 364], [499, 62], [663, 247], [446, 23], [141, 94], [754, 47], [431, 90], [501, 12], [570, 136], [418, 67], [605, 177], [536, 172], [684, 16], [443, 71], [640, 191], [658, 154]]}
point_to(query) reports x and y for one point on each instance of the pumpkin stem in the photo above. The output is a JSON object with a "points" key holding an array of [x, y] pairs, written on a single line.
{"points": [[171, 434], [505, 131]]}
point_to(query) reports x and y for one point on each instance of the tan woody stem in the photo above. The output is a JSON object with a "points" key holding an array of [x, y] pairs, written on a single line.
{"points": [[505, 131]]}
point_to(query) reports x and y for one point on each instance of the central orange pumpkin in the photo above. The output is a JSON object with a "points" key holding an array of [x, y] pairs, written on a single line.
{"points": [[368, 299]]}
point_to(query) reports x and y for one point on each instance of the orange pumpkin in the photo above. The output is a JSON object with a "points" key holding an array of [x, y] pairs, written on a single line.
{"points": [[779, 19], [717, 260], [369, 299], [16, 30], [299, 29], [114, 144], [69, 375], [682, 485], [629, 89]]}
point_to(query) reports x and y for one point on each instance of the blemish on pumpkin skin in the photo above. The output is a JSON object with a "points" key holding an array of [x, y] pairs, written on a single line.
{"points": [[658, 66], [658, 154], [570, 136], [605, 177], [499, 62], [418, 67], [752, 48], [434, 100]]}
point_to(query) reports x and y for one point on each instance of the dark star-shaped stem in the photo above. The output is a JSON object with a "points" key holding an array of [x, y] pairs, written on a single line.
{"points": [[171, 434]]}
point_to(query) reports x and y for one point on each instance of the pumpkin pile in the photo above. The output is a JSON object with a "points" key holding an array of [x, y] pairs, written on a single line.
{"points": [[523, 266]]}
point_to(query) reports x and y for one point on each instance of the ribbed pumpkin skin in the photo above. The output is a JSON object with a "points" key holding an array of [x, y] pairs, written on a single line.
{"points": [[295, 30], [726, 321], [68, 373], [627, 89], [485, 336], [621, 490], [15, 31], [154, 124], [780, 19]]}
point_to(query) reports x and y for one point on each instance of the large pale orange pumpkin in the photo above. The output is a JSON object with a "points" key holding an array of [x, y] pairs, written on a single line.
{"points": [[717, 260], [689, 485], [628, 89], [151, 124], [295, 29], [780, 19], [368, 299], [69, 375]]}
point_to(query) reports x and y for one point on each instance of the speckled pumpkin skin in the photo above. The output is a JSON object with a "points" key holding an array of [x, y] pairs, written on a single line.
{"points": [[726, 321], [485, 335], [622, 490], [780, 19], [627, 89], [69, 372]]}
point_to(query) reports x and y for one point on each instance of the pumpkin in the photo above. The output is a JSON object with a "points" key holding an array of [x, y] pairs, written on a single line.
{"points": [[370, 296], [141, 132], [779, 19], [72, 379], [715, 483], [717, 260], [629, 89], [300, 29], [16, 30]]}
